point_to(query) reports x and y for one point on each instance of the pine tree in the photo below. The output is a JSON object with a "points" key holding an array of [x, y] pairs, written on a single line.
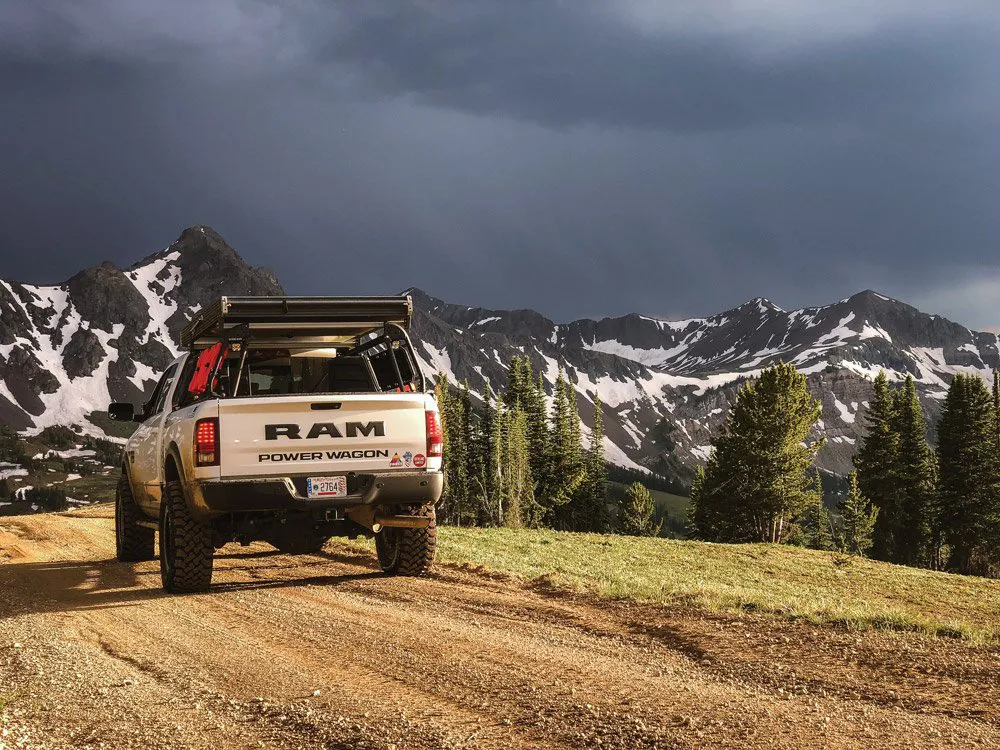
{"points": [[554, 493], [498, 441], [519, 380], [456, 506], [693, 512], [757, 479], [815, 520], [567, 471], [857, 520], [537, 414], [636, 512], [822, 537], [519, 485], [877, 462], [968, 507], [477, 459], [481, 484], [996, 410], [575, 433], [596, 487], [914, 473], [578, 510], [441, 394]]}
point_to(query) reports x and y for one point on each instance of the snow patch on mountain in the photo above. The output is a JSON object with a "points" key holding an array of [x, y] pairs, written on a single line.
{"points": [[846, 415], [436, 361], [869, 331], [47, 297], [155, 281], [645, 356], [839, 333], [77, 397], [617, 456], [702, 452]]}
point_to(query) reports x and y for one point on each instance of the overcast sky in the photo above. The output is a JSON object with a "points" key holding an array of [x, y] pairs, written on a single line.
{"points": [[580, 157]]}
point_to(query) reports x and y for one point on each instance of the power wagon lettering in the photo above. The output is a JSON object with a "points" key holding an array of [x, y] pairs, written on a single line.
{"points": [[320, 455], [351, 429]]}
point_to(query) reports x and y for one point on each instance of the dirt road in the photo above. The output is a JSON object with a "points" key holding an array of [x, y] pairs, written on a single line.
{"points": [[323, 652]]}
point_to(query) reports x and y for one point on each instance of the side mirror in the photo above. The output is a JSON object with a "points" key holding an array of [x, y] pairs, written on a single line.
{"points": [[122, 412]]}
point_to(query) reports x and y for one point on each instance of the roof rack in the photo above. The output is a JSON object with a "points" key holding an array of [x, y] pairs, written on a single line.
{"points": [[320, 321]]}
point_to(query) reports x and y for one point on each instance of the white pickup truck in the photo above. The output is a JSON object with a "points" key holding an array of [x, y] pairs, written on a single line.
{"points": [[288, 420]]}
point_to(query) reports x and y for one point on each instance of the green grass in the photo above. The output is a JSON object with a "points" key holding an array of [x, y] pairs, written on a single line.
{"points": [[776, 579], [98, 486], [674, 506]]}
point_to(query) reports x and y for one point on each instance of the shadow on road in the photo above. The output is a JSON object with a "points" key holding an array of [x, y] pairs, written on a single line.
{"points": [[68, 585], [279, 583], [75, 585]]}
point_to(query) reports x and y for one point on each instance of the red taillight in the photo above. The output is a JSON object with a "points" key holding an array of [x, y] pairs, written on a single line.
{"points": [[435, 435], [206, 442]]}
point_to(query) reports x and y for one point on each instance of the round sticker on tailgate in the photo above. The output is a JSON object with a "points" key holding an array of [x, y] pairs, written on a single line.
{"points": [[419, 460]]}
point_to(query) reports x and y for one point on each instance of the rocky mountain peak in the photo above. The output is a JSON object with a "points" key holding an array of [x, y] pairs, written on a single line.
{"points": [[200, 233], [761, 304], [201, 245], [106, 334]]}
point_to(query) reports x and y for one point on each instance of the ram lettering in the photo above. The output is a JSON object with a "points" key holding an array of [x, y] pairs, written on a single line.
{"points": [[321, 429]]}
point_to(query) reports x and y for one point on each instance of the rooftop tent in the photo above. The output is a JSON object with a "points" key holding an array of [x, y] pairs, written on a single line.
{"points": [[313, 321]]}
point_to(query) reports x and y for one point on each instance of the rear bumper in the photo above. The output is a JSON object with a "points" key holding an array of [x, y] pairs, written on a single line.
{"points": [[217, 497]]}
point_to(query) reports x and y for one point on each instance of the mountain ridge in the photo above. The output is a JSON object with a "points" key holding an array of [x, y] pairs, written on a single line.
{"points": [[106, 333], [684, 374]]}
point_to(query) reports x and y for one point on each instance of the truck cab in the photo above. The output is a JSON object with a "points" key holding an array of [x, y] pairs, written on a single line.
{"points": [[289, 420]]}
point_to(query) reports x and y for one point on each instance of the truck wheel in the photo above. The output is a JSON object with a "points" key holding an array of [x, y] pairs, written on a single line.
{"points": [[185, 545], [133, 543], [408, 552]]}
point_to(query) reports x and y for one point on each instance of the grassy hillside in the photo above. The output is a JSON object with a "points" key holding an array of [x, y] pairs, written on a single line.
{"points": [[81, 469], [776, 579], [673, 508]]}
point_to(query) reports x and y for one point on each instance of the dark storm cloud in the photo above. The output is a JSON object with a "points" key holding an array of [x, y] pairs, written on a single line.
{"points": [[576, 157], [564, 64]]}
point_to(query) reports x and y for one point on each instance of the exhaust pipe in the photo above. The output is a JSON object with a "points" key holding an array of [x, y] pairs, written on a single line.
{"points": [[403, 522]]}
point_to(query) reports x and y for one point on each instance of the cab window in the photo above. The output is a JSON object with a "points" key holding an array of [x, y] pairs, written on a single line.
{"points": [[155, 404]]}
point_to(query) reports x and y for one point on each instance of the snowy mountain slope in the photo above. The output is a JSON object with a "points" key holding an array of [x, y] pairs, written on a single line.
{"points": [[106, 334]]}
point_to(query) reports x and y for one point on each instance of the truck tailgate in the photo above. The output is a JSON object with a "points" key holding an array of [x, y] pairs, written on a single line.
{"points": [[320, 435]]}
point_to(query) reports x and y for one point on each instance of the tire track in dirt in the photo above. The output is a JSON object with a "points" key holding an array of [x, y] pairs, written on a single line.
{"points": [[322, 651]]}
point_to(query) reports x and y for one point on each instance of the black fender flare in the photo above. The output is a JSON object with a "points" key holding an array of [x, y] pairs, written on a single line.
{"points": [[127, 474], [192, 495], [139, 496], [175, 453]]}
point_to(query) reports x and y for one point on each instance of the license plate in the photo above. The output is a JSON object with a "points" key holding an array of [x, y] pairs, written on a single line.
{"points": [[326, 486]]}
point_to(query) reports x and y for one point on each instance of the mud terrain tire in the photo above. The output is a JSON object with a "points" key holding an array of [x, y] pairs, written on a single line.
{"points": [[408, 552], [185, 545], [133, 543]]}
